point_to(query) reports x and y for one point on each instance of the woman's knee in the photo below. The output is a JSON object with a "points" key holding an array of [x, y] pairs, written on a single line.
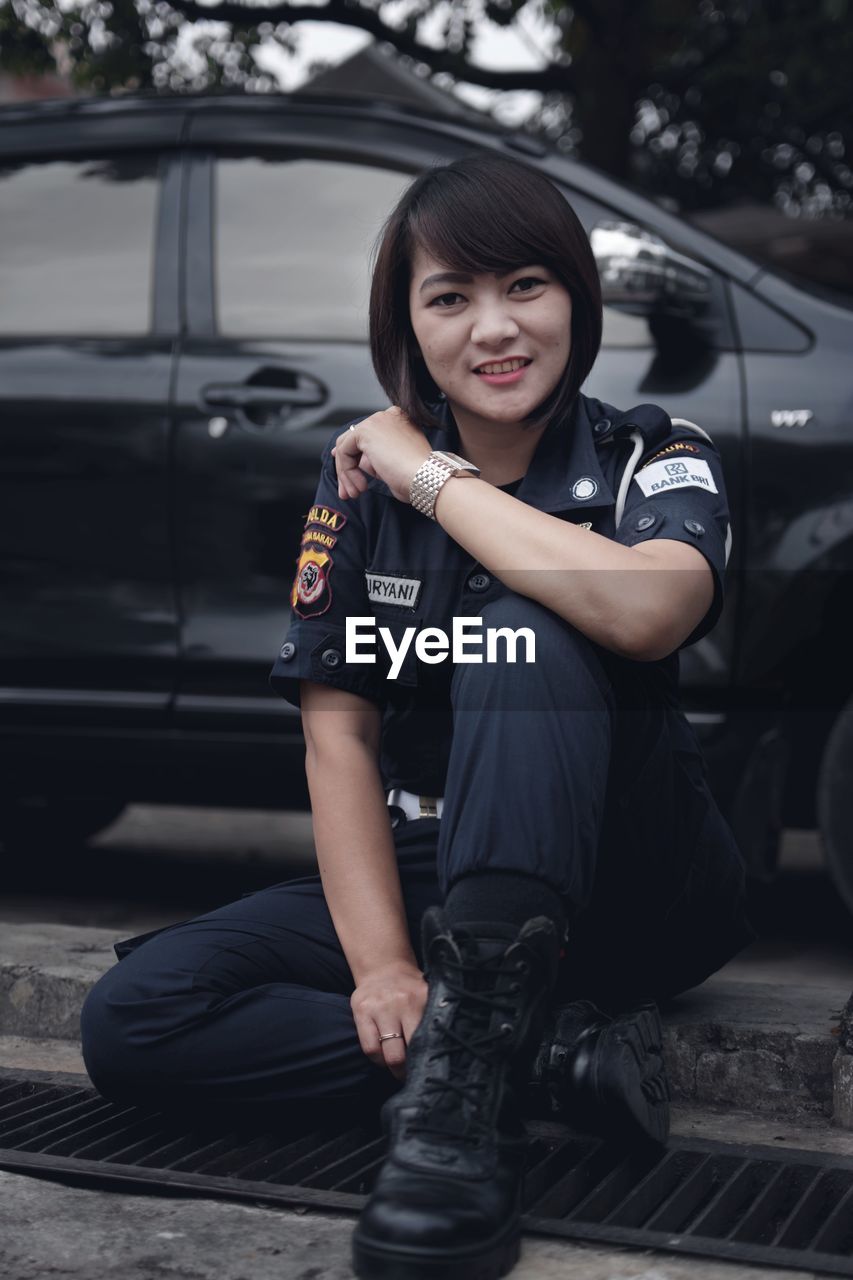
{"points": [[525, 645], [103, 1039], [122, 1050]]}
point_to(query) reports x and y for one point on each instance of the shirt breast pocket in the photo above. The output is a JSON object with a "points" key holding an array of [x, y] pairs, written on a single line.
{"points": [[396, 632]]}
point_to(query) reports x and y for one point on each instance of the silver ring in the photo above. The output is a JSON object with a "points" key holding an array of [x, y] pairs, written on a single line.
{"points": [[352, 428], [392, 1035]]}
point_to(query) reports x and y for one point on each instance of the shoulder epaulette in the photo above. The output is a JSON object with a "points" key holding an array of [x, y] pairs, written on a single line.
{"points": [[653, 423]]}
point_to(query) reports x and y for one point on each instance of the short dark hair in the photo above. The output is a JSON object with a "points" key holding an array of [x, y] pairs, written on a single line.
{"points": [[485, 212]]}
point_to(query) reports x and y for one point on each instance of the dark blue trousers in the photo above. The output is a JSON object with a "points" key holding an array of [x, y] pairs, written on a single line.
{"points": [[573, 769]]}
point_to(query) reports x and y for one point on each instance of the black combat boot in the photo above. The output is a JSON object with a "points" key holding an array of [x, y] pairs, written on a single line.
{"points": [[447, 1200], [606, 1075]]}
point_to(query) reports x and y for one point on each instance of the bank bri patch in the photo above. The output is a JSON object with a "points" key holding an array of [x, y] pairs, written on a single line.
{"points": [[660, 477]]}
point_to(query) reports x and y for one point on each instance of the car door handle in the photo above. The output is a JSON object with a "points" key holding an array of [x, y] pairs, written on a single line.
{"points": [[259, 397]]}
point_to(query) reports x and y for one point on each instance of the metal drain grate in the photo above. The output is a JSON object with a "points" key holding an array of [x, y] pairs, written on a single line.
{"points": [[742, 1203]]}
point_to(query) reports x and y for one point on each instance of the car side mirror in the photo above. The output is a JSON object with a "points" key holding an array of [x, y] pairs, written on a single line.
{"points": [[642, 275]]}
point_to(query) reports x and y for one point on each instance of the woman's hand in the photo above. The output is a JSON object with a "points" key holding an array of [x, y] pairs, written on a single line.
{"points": [[386, 445], [391, 998]]}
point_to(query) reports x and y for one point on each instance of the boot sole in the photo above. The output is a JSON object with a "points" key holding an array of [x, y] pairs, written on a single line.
{"points": [[630, 1079], [373, 1261]]}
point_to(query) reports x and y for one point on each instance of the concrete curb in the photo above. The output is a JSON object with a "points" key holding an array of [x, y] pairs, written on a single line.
{"points": [[763, 1048], [46, 971], [759, 1047]]}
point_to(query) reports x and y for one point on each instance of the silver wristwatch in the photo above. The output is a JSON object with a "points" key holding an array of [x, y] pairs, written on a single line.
{"points": [[432, 474]]}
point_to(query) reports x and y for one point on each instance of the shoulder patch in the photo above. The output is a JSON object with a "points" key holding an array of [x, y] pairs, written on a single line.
{"points": [[311, 592], [319, 537], [661, 477], [326, 517], [681, 446]]}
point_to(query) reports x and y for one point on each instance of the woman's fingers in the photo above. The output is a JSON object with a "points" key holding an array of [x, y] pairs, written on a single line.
{"points": [[389, 1000], [368, 1038], [382, 1053], [347, 487], [411, 1022], [351, 484], [351, 465], [394, 1053]]}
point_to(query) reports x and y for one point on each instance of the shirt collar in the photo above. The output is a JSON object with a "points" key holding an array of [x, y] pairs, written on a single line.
{"points": [[564, 472]]}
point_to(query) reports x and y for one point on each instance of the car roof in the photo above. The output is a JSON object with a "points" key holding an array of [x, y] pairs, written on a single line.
{"points": [[624, 201]]}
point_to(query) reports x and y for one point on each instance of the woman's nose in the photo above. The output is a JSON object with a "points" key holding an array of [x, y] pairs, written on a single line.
{"points": [[493, 325]]}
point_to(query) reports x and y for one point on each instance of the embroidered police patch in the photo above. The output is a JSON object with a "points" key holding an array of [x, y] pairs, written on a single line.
{"points": [[662, 476], [318, 536], [326, 517], [311, 592], [387, 588]]}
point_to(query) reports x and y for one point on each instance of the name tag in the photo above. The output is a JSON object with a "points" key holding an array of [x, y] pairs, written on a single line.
{"points": [[386, 588], [660, 477]]}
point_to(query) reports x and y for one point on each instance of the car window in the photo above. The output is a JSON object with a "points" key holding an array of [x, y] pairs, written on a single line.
{"points": [[293, 238], [619, 329], [77, 249]]}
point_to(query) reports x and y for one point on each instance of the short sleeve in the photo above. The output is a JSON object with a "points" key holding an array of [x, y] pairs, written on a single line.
{"points": [[677, 490], [329, 585]]}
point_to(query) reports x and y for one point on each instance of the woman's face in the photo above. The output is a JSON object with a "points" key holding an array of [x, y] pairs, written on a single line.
{"points": [[463, 324]]}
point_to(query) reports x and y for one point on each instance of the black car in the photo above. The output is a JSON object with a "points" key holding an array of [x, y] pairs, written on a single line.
{"points": [[183, 325]]}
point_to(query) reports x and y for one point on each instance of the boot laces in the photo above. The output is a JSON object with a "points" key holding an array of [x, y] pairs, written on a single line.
{"points": [[459, 1101]]}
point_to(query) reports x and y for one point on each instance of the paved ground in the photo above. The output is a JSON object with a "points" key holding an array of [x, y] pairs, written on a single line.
{"points": [[159, 865], [54, 1231]]}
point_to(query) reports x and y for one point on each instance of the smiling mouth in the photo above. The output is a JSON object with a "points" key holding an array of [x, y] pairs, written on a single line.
{"points": [[502, 366]]}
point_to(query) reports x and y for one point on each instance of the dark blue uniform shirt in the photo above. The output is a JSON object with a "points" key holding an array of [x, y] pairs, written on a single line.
{"points": [[631, 475]]}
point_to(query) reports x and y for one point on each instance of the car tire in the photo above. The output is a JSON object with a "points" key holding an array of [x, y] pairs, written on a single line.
{"points": [[43, 823], [835, 803]]}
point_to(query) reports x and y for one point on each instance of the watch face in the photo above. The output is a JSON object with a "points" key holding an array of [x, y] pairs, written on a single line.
{"points": [[455, 459]]}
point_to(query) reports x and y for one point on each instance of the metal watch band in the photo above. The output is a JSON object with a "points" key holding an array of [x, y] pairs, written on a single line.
{"points": [[431, 475]]}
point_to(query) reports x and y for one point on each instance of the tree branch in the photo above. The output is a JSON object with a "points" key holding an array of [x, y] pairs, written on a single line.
{"points": [[549, 79]]}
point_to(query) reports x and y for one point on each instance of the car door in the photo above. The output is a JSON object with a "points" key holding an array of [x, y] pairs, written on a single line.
{"points": [[89, 317]]}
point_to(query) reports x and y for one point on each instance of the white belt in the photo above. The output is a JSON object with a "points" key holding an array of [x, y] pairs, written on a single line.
{"points": [[415, 806]]}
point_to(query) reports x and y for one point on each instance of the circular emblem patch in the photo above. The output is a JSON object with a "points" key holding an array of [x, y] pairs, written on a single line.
{"points": [[310, 583], [311, 592], [584, 488]]}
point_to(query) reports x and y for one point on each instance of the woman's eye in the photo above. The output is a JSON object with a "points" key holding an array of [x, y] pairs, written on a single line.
{"points": [[530, 280], [442, 296]]}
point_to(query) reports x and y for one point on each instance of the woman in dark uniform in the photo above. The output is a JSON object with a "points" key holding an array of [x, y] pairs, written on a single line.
{"points": [[518, 852]]}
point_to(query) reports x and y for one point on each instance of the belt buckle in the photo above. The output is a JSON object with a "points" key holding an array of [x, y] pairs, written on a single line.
{"points": [[428, 806]]}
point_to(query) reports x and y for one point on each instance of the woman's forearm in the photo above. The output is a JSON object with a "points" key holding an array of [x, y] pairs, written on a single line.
{"points": [[618, 596], [356, 855]]}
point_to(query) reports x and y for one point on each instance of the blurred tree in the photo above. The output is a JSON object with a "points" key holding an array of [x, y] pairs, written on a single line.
{"points": [[698, 100]]}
